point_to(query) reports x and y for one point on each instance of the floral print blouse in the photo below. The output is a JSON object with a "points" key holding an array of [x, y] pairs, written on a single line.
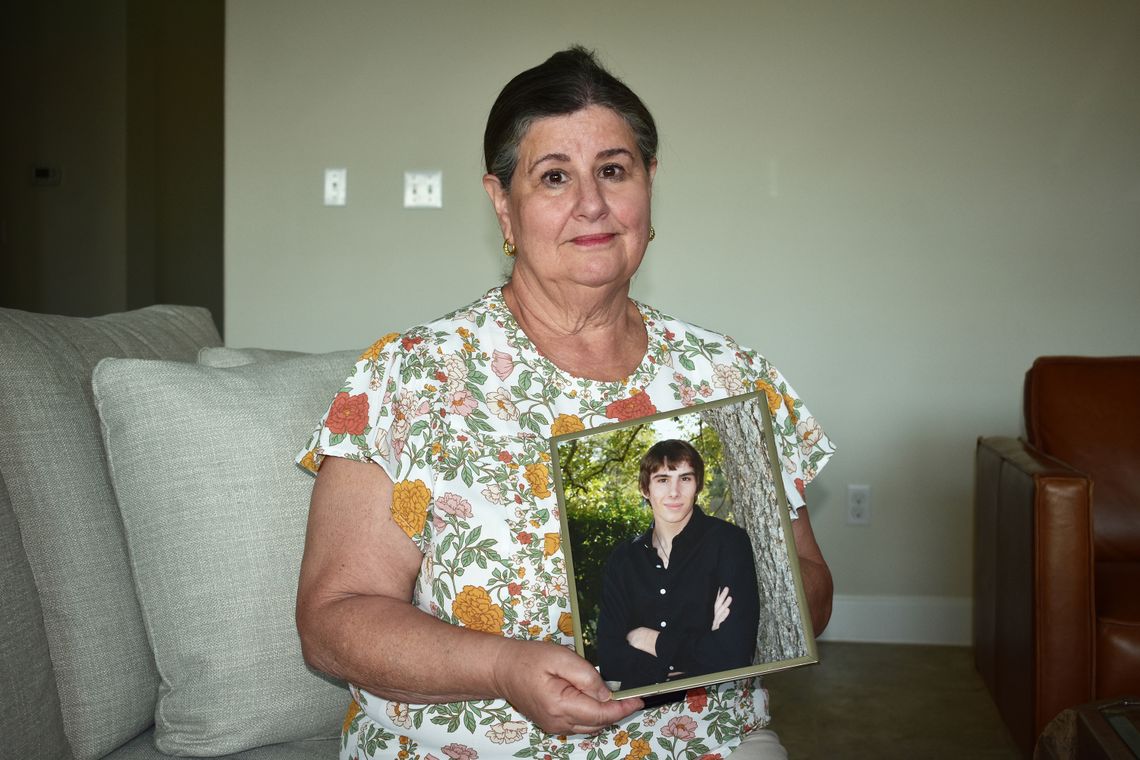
{"points": [[458, 412]]}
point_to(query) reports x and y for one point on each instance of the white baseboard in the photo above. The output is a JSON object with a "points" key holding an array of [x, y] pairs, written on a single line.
{"points": [[901, 620]]}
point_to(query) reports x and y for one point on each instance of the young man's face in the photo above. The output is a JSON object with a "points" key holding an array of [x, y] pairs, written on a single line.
{"points": [[671, 493]]}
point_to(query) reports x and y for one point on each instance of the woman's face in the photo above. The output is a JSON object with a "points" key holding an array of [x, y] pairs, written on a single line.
{"points": [[671, 493], [578, 207]]}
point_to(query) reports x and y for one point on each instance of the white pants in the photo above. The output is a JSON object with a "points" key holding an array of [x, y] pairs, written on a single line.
{"points": [[761, 744]]}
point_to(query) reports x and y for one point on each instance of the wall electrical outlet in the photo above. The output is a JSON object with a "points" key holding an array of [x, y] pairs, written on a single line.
{"points": [[858, 505]]}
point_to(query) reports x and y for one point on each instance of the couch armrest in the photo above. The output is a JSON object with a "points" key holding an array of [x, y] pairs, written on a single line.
{"points": [[1034, 616]]}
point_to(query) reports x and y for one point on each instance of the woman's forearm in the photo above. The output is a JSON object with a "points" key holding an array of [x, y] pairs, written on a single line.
{"points": [[818, 589], [397, 652], [394, 650], [818, 586]]}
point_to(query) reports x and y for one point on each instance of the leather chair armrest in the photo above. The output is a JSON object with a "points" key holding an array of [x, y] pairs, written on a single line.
{"points": [[1034, 615]]}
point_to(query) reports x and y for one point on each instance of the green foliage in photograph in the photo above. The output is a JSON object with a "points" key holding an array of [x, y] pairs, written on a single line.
{"points": [[604, 506], [716, 498]]}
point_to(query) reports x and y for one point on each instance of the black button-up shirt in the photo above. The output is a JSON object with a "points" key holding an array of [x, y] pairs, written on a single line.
{"points": [[677, 602]]}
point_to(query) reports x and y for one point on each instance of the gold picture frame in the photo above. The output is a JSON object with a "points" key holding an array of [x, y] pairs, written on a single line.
{"points": [[743, 484]]}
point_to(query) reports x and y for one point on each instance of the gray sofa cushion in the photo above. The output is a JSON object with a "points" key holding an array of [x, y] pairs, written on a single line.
{"points": [[224, 356], [215, 513], [30, 722], [61, 495], [142, 748]]}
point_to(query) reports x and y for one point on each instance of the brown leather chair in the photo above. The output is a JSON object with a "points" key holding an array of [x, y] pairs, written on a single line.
{"points": [[1057, 545]]}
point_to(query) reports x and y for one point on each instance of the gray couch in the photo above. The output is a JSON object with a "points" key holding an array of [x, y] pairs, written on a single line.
{"points": [[151, 522]]}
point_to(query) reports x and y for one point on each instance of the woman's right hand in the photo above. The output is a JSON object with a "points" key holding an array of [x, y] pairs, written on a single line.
{"points": [[721, 607], [558, 690]]}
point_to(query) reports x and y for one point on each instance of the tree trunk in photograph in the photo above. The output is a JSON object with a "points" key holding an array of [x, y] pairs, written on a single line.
{"points": [[751, 471]]}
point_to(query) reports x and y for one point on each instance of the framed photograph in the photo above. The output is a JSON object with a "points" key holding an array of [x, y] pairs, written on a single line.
{"points": [[679, 551]]}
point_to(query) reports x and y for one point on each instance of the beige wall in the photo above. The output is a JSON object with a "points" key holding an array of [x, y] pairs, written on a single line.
{"points": [[901, 204]]}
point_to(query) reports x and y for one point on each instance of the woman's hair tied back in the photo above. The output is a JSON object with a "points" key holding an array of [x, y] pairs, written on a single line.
{"points": [[566, 82]]}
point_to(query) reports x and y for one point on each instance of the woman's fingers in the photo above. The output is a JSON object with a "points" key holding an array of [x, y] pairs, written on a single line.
{"points": [[558, 690], [583, 714]]}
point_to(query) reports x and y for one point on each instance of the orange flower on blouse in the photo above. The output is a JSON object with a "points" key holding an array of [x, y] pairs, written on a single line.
{"points": [[637, 405], [349, 414]]}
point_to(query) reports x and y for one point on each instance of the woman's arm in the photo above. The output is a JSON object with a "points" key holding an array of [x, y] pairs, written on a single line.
{"points": [[818, 587], [356, 620]]}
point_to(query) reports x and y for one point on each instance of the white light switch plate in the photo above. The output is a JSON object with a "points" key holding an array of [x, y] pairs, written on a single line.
{"points": [[423, 189], [336, 187]]}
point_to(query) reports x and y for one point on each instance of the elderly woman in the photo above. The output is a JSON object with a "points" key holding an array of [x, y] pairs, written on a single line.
{"points": [[433, 580], [667, 607]]}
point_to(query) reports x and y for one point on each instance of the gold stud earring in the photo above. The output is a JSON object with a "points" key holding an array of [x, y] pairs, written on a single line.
{"points": [[508, 248], [652, 232]]}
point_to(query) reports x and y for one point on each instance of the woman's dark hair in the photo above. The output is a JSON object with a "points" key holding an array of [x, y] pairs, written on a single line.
{"points": [[668, 454], [566, 82]]}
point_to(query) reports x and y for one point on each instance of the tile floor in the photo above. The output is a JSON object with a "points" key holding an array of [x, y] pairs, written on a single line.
{"points": [[887, 701]]}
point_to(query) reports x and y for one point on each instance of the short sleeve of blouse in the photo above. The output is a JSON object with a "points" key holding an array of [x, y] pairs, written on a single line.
{"points": [[383, 414], [803, 446]]}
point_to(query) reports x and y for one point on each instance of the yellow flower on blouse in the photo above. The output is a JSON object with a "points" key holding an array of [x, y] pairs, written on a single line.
{"points": [[310, 461], [539, 478], [790, 405], [774, 397], [566, 623], [410, 499], [566, 423], [638, 749], [353, 711], [550, 544], [372, 353], [473, 608]]}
